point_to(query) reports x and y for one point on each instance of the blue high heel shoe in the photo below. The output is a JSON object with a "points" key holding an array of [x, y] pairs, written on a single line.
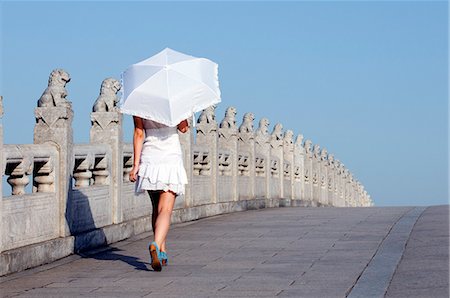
{"points": [[164, 259], [155, 255]]}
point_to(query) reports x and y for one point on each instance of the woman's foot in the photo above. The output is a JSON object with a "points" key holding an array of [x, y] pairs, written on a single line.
{"points": [[155, 255], [164, 259]]}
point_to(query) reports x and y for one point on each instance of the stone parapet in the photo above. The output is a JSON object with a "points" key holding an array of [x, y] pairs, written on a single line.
{"points": [[78, 196]]}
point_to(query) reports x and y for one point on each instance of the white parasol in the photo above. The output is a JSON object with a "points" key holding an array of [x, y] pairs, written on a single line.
{"points": [[169, 87]]}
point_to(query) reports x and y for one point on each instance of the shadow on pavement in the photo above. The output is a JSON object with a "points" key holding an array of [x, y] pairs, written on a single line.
{"points": [[111, 255]]}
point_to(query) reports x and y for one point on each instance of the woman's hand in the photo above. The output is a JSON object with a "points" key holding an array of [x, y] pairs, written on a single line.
{"points": [[133, 173], [183, 126]]}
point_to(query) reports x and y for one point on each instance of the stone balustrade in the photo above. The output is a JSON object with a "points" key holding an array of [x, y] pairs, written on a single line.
{"points": [[81, 196]]}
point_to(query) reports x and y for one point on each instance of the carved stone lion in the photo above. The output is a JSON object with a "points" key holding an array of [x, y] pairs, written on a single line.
{"points": [[229, 121], [263, 128], [324, 154], [277, 133], [307, 146], [107, 100], [299, 140], [316, 151], [55, 94], [331, 160], [207, 116], [276, 138], [288, 138], [247, 123]]}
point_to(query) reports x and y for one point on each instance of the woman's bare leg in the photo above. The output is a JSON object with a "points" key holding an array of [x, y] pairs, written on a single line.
{"points": [[162, 224], [154, 196]]}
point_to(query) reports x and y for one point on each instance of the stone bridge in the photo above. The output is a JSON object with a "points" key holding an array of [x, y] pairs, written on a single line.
{"points": [[68, 197]]}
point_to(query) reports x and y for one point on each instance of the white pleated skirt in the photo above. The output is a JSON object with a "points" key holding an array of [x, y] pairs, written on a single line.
{"points": [[161, 166]]}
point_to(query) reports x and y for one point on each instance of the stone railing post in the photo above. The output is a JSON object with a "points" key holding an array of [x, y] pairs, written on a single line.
{"points": [[227, 141], [346, 187], [106, 128], [187, 140], [276, 164], [207, 138], [324, 177], [246, 158], [316, 175], [359, 194], [331, 181], [262, 160], [299, 172], [308, 172], [288, 166], [54, 117], [341, 184], [2, 171]]}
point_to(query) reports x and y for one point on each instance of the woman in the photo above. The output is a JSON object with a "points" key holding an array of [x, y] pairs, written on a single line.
{"points": [[158, 168]]}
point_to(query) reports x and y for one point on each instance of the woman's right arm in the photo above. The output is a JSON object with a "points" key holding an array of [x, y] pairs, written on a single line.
{"points": [[138, 140]]}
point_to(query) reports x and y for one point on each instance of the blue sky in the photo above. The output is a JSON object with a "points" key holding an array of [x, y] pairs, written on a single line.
{"points": [[366, 80]]}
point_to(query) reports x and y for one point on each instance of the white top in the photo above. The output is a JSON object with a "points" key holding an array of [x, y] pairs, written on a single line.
{"points": [[161, 166]]}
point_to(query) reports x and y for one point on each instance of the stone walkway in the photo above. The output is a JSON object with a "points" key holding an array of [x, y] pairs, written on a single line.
{"points": [[296, 252]]}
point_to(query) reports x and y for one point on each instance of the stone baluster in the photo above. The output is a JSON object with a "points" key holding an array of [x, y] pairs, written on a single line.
{"points": [[54, 117], [44, 176], [207, 138], [227, 162], [262, 160], [276, 164], [323, 178], [308, 172], [127, 166], [246, 158], [299, 172], [106, 128], [18, 175], [100, 173], [316, 176], [288, 166], [82, 171]]}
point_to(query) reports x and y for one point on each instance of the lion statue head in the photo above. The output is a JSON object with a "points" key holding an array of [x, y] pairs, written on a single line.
{"points": [[58, 77], [110, 86]]}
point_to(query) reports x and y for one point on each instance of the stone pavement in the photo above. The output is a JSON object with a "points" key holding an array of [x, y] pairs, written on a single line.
{"points": [[296, 252]]}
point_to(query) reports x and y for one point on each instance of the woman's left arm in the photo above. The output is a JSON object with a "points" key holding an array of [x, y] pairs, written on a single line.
{"points": [[183, 126]]}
